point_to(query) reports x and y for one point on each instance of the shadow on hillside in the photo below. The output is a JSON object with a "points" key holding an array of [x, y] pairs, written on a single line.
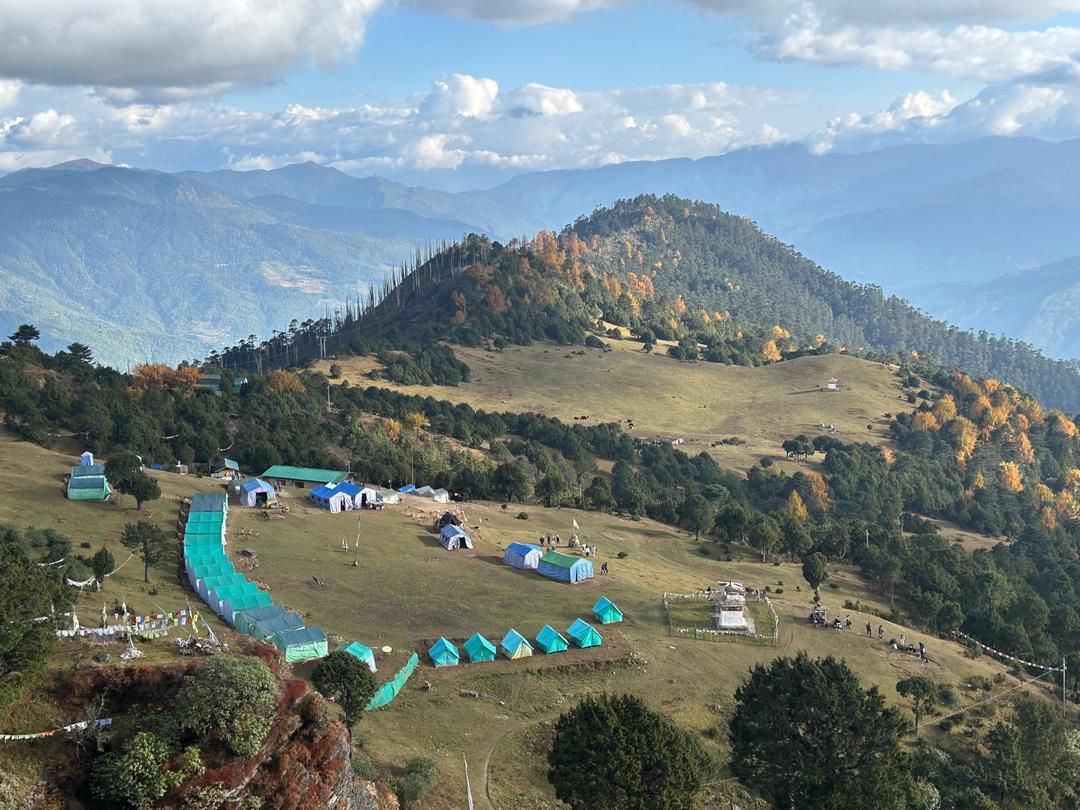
{"points": [[431, 540]]}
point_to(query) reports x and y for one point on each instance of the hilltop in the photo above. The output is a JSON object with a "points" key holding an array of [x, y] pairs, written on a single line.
{"points": [[666, 269]]}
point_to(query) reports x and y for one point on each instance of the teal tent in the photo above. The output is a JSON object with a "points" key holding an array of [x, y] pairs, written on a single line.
{"points": [[606, 612], [479, 649], [550, 640], [444, 654], [583, 634], [255, 621], [360, 651]]}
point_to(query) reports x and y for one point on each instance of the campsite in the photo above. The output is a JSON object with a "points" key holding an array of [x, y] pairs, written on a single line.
{"points": [[407, 591]]}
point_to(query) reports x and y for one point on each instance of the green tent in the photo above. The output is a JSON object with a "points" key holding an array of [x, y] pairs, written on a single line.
{"points": [[584, 634], [302, 644], [245, 620], [88, 488], [444, 654], [606, 612], [515, 645], [205, 518], [244, 601], [550, 640], [479, 649]]}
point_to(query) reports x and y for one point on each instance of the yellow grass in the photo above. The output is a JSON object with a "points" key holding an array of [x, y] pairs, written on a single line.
{"points": [[701, 403]]}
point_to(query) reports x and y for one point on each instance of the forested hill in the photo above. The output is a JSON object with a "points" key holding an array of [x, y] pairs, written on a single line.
{"points": [[668, 268]]}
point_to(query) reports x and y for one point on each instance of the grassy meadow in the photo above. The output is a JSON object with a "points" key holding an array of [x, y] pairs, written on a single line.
{"points": [[698, 402], [406, 591]]}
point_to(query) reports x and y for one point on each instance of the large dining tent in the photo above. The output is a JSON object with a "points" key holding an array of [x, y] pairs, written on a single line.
{"points": [[246, 621], [245, 601], [522, 555], [332, 498], [209, 585], [256, 492], [564, 567]]}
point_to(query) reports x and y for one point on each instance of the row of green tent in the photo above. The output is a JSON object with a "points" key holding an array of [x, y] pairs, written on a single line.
{"points": [[444, 653], [232, 595]]}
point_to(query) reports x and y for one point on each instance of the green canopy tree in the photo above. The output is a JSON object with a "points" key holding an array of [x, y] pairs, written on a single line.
{"points": [[815, 569], [149, 542], [137, 775], [612, 752], [697, 515], [551, 489], [924, 694], [806, 734], [125, 472], [26, 335], [347, 681], [765, 536], [80, 353], [102, 563]]}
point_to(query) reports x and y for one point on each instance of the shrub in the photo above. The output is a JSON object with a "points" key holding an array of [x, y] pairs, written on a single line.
{"points": [[622, 555], [348, 681], [421, 776], [364, 768], [833, 585], [86, 545], [776, 563], [522, 516], [235, 697], [593, 342], [778, 591]]}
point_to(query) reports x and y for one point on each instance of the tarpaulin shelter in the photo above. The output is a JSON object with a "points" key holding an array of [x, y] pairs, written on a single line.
{"points": [[449, 519], [408, 489], [209, 502], [302, 644], [332, 498], [389, 690], [359, 651], [208, 585], [479, 649], [550, 640], [453, 538], [88, 488], [606, 612], [245, 601], [584, 634], [245, 620], [564, 567], [444, 654], [515, 645], [423, 492], [522, 555], [256, 492], [440, 496]]}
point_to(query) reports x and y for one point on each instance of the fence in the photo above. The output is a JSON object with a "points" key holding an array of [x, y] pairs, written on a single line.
{"points": [[389, 690], [709, 634]]}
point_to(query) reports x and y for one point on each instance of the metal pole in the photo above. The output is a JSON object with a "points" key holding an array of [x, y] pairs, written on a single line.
{"points": [[1064, 699]]}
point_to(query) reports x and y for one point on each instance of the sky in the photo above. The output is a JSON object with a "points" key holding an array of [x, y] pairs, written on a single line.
{"points": [[466, 93]]}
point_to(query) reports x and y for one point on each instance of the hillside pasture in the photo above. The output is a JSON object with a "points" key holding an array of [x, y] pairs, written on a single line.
{"points": [[701, 403]]}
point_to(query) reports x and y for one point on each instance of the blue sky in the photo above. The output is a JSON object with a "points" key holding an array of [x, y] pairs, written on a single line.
{"points": [[465, 92]]}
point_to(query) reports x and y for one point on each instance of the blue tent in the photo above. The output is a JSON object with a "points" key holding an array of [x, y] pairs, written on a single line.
{"points": [[361, 651], [444, 654], [405, 490], [564, 567], [452, 538], [584, 634], [256, 492], [522, 555], [606, 612], [550, 640]]}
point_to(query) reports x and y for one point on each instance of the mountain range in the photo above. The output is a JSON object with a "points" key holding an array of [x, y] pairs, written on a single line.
{"points": [[170, 265]]}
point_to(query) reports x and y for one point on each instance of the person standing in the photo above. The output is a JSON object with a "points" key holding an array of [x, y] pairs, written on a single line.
{"points": [[869, 630], [880, 632]]}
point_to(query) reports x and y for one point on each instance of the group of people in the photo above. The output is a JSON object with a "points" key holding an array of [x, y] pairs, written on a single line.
{"points": [[587, 551], [549, 541]]}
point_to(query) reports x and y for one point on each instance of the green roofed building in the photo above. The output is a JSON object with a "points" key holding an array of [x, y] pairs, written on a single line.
{"points": [[283, 474], [479, 649]]}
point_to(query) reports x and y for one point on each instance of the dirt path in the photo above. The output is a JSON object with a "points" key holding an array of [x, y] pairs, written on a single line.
{"points": [[515, 726]]}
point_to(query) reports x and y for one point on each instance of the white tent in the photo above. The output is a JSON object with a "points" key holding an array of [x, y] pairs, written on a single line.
{"points": [[256, 492]]}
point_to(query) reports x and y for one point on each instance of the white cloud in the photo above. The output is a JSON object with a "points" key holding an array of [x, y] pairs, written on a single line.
{"points": [[538, 99], [461, 95], [178, 46], [512, 12], [9, 93]]}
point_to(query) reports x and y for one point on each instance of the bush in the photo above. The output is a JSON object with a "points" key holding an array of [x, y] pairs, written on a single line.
{"points": [[421, 776], [593, 342], [778, 591], [86, 545], [522, 516], [833, 585], [776, 563], [235, 697], [622, 555], [364, 768], [335, 371]]}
